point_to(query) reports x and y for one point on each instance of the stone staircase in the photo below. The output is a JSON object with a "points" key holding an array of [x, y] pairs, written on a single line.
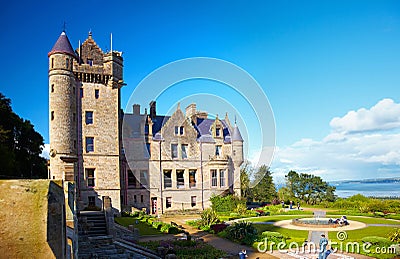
{"points": [[94, 241], [101, 247], [92, 223]]}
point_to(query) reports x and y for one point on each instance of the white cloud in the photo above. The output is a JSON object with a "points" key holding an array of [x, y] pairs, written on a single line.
{"points": [[46, 151], [383, 116], [360, 146]]}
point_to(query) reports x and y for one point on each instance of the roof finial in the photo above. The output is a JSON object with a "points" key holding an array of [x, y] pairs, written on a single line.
{"points": [[64, 25], [235, 119], [90, 33]]}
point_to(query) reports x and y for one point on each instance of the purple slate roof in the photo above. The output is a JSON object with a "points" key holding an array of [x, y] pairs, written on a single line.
{"points": [[62, 46], [203, 128], [236, 136]]}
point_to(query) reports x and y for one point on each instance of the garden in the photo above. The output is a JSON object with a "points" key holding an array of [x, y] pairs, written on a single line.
{"points": [[381, 231]]}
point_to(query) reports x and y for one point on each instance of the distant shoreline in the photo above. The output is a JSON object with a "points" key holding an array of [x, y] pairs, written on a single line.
{"points": [[377, 188]]}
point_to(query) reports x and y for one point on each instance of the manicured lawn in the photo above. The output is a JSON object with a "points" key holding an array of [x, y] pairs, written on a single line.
{"points": [[290, 233], [276, 218], [144, 228], [357, 235]]}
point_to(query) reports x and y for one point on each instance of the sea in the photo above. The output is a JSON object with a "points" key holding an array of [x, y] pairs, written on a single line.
{"points": [[388, 189]]}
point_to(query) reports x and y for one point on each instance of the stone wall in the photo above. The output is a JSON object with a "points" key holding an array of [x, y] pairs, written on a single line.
{"points": [[32, 219]]}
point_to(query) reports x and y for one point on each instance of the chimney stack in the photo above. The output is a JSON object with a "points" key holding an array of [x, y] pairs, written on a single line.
{"points": [[153, 112], [136, 109]]}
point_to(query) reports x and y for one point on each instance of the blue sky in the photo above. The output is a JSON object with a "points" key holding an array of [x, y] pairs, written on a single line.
{"points": [[315, 60]]}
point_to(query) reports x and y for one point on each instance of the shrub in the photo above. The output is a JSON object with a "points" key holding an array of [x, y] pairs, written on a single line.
{"points": [[226, 204], [157, 225], [205, 228], [165, 227], [272, 236], [209, 217], [375, 240], [218, 227], [173, 230], [242, 232], [241, 208], [394, 236]]}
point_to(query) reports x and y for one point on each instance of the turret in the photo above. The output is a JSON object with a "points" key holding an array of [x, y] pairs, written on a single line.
{"points": [[63, 110], [237, 146]]}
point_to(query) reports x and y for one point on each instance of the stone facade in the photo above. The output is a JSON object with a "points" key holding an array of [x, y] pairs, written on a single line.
{"points": [[84, 90], [167, 162], [198, 158]]}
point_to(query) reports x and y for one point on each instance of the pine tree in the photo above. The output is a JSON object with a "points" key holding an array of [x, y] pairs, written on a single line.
{"points": [[265, 189]]}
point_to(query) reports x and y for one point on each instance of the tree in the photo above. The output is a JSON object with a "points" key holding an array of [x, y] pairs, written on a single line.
{"points": [[265, 189], [245, 172], [20, 147], [284, 194], [309, 188]]}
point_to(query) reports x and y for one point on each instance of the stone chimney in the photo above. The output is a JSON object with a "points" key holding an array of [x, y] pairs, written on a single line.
{"points": [[191, 110], [136, 109], [153, 112]]}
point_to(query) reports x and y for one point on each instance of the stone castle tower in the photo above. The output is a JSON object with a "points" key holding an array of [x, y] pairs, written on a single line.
{"points": [[85, 119], [63, 111]]}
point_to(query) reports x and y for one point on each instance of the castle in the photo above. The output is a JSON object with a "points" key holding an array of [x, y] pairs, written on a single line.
{"points": [[140, 160]]}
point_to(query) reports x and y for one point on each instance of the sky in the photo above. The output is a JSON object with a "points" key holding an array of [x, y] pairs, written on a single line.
{"points": [[329, 70]]}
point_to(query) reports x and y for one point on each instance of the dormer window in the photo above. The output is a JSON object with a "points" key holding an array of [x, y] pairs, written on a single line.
{"points": [[89, 62]]}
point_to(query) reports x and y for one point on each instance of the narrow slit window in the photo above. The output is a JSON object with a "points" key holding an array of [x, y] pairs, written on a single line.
{"points": [[89, 144], [222, 178], [192, 178], [174, 150], [167, 179], [184, 148], [90, 177], [180, 180], [89, 117], [168, 203], [193, 201], [96, 93], [214, 178]]}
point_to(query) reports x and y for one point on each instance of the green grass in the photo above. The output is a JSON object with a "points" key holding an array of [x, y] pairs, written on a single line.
{"points": [[357, 235], [144, 228], [276, 218], [290, 233]]}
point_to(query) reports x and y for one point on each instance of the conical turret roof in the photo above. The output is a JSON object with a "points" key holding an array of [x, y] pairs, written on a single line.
{"points": [[236, 136], [62, 46]]}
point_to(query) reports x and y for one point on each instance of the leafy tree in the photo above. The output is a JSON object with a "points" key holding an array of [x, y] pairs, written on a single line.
{"points": [[309, 188], [284, 194], [20, 146], [245, 172], [265, 189]]}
